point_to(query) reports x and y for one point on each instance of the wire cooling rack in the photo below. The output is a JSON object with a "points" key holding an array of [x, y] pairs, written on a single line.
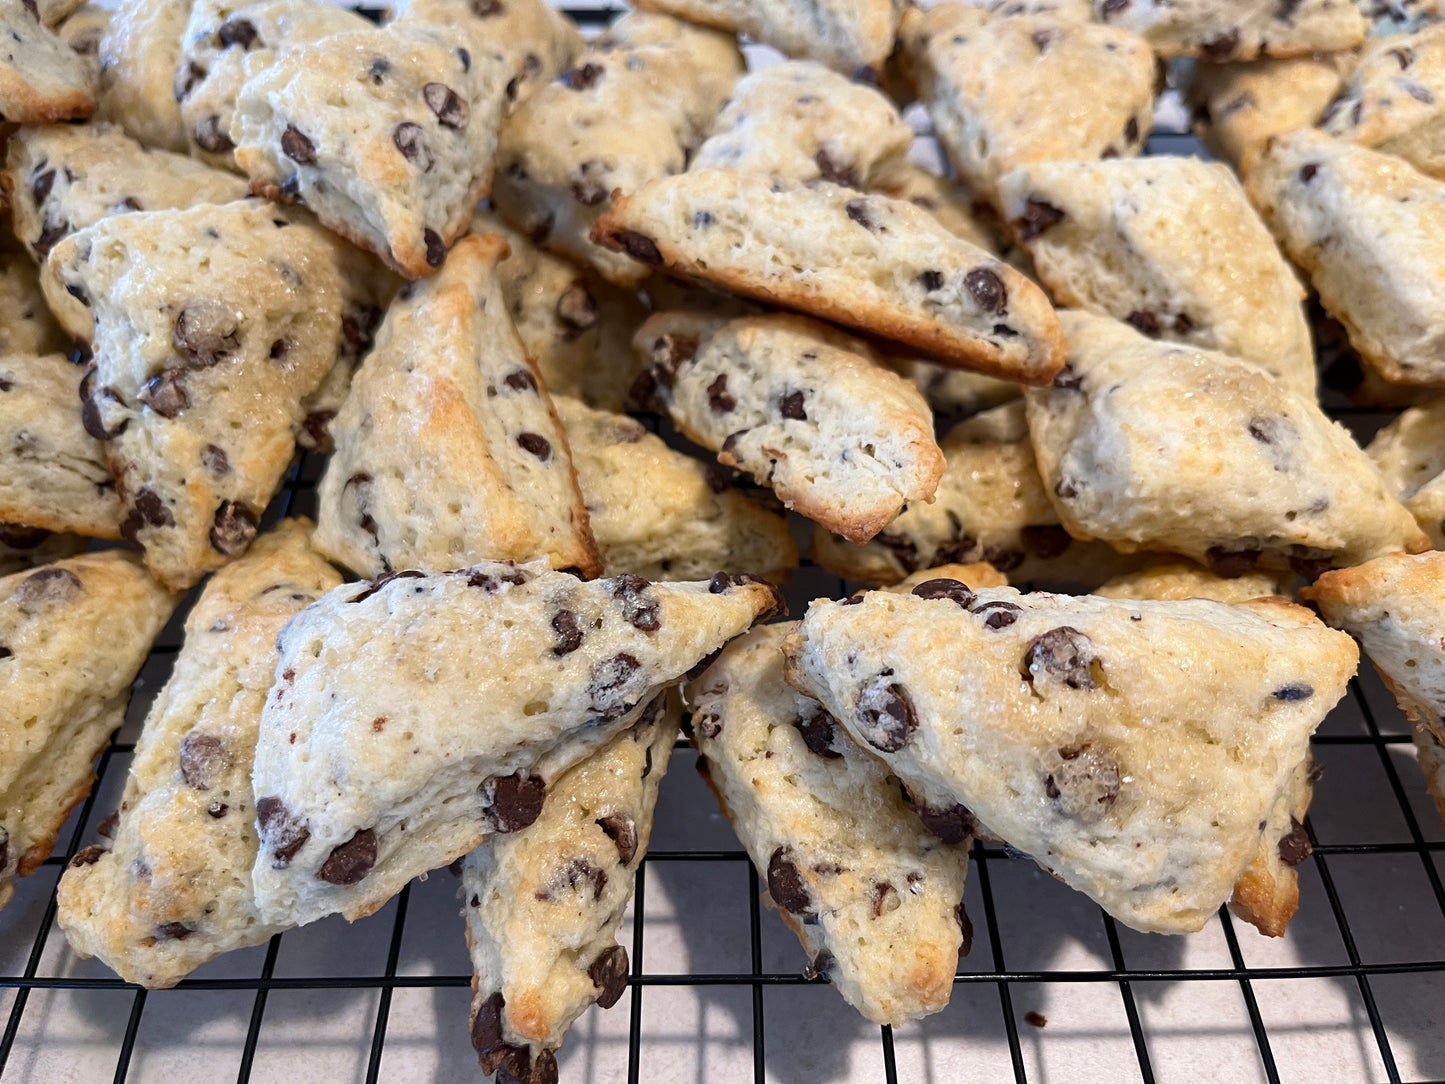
{"points": [[1349, 994]]}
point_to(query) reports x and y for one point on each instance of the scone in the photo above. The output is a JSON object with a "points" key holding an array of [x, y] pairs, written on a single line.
{"points": [[875, 898], [1007, 91], [1219, 30], [416, 715], [990, 506], [199, 371], [805, 410], [385, 134], [448, 450], [224, 42], [575, 324], [663, 515], [140, 54], [543, 905], [1137, 750], [41, 77], [640, 99], [801, 121], [540, 42], [1170, 581], [1410, 453], [1169, 244], [880, 265], [1395, 100], [53, 474], [174, 888], [1367, 227], [30, 547], [63, 177], [73, 636], [1263, 478]]}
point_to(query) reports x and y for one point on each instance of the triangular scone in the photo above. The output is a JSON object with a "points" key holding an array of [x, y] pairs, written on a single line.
{"points": [[211, 324], [1135, 749], [385, 134], [802, 408], [1219, 30], [1239, 107], [801, 121], [539, 40], [990, 506], [1169, 244], [1170, 581], [1007, 91], [543, 905], [880, 265], [850, 36], [416, 715], [225, 42], [1368, 229], [875, 898], [664, 515], [139, 56], [575, 325], [64, 177], [30, 547], [1300, 493], [1410, 453], [640, 99], [1394, 100], [73, 636], [41, 78], [174, 889], [53, 474], [448, 450]]}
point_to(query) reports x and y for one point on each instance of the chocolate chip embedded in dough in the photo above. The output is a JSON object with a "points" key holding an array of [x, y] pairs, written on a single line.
{"points": [[785, 883], [350, 862], [885, 715], [609, 974], [1065, 653], [514, 801], [622, 830]]}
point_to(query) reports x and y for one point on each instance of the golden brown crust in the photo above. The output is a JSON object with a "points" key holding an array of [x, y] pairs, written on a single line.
{"points": [[25, 106], [39, 851], [1263, 901]]}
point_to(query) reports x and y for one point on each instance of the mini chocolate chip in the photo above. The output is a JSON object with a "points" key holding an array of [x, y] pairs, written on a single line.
{"points": [[378, 69], [451, 110], [281, 830], [41, 182], [487, 1028], [986, 289], [175, 931], [955, 824], [1269, 430], [536, 444], [1416, 91], [232, 529], [717, 395], [130, 203], [785, 883], [588, 183], [703, 219], [483, 8], [350, 862], [411, 141], [207, 333], [639, 247], [640, 611], [514, 801], [521, 380], [1042, 39], [569, 635], [791, 406], [1064, 652], [1404, 55], [998, 615], [931, 280], [203, 758], [818, 729], [237, 32], [1131, 131], [609, 682], [209, 136], [1038, 216], [86, 856], [1307, 172], [584, 77], [165, 393], [217, 809], [436, 249], [885, 715], [106, 827], [1230, 563], [820, 965], [622, 830], [859, 210], [47, 587], [540, 230], [953, 590], [1144, 322], [1066, 489], [572, 877], [186, 80], [147, 510], [1294, 845], [1300, 691], [577, 309], [487, 581], [965, 928], [832, 169], [1222, 46], [609, 974]]}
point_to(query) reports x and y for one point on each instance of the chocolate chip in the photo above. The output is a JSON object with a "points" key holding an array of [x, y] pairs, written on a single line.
{"points": [[832, 169], [609, 974], [350, 862], [998, 615], [86, 856], [1416, 91], [584, 77], [1310, 567], [41, 182], [106, 827], [1222, 46], [791, 406], [411, 141], [1405, 55], [819, 966], [1042, 39], [203, 758], [536, 444], [217, 809], [207, 333], [1294, 845], [165, 393], [521, 380], [147, 510], [640, 611], [451, 110], [130, 203], [1113, 7], [1131, 131], [232, 529], [174, 931], [281, 831], [1230, 563], [956, 824], [1085, 784], [965, 928], [569, 635], [1299, 691], [931, 280], [484, 8], [1146, 323], [588, 183], [986, 289], [609, 683], [487, 1026], [48, 587], [572, 877], [860, 211], [717, 395], [436, 249], [785, 883], [885, 714], [514, 801], [1307, 172], [577, 309], [621, 829], [1038, 216], [215, 460], [1270, 430], [209, 136], [703, 219], [51, 232], [489, 582], [818, 729], [540, 230], [237, 32], [1064, 652], [639, 247], [186, 80], [953, 590]]}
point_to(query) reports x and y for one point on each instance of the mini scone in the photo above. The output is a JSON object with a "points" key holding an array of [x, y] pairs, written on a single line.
{"points": [[990, 506], [1410, 453], [640, 99], [1395, 100], [30, 547], [800, 121], [174, 888], [1135, 749], [385, 134], [139, 56], [850, 36], [64, 177], [1367, 227], [224, 42], [41, 77], [663, 515], [73, 636], [575, 325], [416, 715], [802, 408], [539, 40], [1007, 91], [448, 450], [1300, 494], [1220, 30], [53, 474], [880, 265], [543, 905], [875, 898], [1169, 244], [1170, 581], [199, 372]]}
